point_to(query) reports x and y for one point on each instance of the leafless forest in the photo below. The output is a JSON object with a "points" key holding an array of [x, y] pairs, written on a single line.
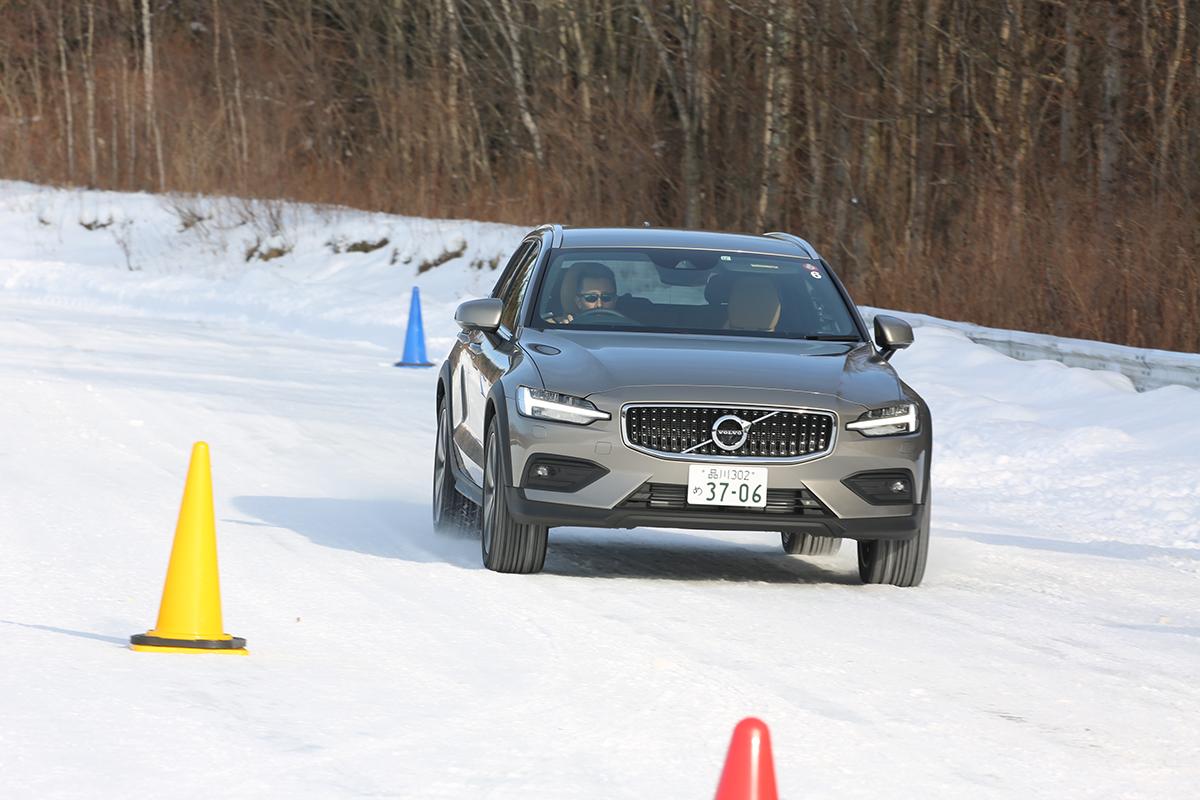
{"points": [[1021, 163]]}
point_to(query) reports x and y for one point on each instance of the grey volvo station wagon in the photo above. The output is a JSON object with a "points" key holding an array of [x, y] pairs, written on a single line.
{"points": [[620, 378]]}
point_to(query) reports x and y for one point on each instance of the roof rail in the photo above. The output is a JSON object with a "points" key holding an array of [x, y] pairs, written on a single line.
{"points": [[555, 232], [796, 240]]}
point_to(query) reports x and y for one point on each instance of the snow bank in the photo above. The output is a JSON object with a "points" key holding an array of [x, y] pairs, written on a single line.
{"points": [[1146, 368], [326, 270]]}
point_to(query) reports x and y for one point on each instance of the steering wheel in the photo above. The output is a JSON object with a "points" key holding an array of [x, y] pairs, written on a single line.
{"points": [[599, 316]]}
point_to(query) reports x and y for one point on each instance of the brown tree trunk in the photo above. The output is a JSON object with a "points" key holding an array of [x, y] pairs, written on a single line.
{"points": [[683, 83], [148, 75], [810, 75], [776, 114], [1070, 90], [1019, 115], [130, 122], [583, 70], [222, 105], [905, 86], [1112, 104], [516, 66], [455, 76], [114, 133], [89, 83], [1169, 108], [239, 110], [68, 101]]}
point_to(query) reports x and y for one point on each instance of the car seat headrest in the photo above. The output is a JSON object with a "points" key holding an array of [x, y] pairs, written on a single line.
{"points": [[753, 304]]}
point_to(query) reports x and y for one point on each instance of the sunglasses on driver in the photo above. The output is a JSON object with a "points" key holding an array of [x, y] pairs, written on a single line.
{"points": [[596, 297]]}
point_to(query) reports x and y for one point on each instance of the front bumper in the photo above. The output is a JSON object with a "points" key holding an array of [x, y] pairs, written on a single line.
{"points": [[524, 510], [602, 503]]}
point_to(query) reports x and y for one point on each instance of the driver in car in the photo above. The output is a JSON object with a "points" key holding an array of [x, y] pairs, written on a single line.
{"points": [[587, 286]]}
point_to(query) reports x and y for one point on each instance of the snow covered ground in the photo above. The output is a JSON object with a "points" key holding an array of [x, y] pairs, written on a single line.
{"points": [[1053, 650]]}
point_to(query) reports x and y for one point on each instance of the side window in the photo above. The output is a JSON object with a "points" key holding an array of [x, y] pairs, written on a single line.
{"points": [[510, 269], [514, 293]]}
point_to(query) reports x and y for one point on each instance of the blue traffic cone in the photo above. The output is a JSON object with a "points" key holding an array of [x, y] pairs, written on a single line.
{"points": [[414, 340]]}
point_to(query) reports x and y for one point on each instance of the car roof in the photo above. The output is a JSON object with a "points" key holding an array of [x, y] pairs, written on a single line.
{"points": [[783, 244]]}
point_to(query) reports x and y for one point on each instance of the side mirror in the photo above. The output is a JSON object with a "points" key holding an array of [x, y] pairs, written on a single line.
{"points": [[891, 334], [481, 315]]}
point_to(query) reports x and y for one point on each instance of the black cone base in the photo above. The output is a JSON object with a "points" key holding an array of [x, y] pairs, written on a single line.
{"points": [[234, 643]]}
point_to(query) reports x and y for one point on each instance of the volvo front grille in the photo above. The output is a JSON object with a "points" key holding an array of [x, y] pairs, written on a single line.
{"points": [[742, 433]]}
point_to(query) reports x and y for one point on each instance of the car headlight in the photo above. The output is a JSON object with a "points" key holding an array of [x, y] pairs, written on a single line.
{"points": [[544, 404], [890, 421]]}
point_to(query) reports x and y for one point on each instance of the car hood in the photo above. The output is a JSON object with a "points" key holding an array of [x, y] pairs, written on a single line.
{"points": [[591, 362]]}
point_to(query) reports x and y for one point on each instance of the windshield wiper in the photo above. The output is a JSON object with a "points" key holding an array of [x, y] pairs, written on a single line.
{"points": [[830, 337]]}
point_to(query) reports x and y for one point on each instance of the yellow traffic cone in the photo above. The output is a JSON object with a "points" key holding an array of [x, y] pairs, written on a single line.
{"points": [[189, 618]]}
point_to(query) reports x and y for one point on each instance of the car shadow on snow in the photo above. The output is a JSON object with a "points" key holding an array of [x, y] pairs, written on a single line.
{"points": [[683, 557], [390, 528], [387, 528]]}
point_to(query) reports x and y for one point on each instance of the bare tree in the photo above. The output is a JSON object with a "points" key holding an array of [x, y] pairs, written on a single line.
{"points": [[512, 37], [1070, 88], [776, 112], [680, 66], [148, 76], [1112, 104], [89, 83], [1170, 105], [68, 103]]}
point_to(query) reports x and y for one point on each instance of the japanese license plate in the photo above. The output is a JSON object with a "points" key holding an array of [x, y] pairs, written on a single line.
{"points": [[711, 485]]}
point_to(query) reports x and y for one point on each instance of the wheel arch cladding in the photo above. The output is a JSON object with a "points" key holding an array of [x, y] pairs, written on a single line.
{"points": [[442, 382], [497, 413]]}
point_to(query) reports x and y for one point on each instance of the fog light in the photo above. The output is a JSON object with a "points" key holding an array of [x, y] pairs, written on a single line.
{"points": [[886, 488], [560, 474]]}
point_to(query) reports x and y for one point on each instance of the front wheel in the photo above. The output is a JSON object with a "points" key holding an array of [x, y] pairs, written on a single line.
{"points": [[507, 545], [900, 562], [452, 512]]}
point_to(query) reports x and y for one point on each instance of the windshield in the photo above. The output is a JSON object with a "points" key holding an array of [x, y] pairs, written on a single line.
{"points": [[692, 291]]}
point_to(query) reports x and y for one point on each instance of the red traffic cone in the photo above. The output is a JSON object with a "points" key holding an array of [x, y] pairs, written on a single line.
{"points": [[749, 772]]}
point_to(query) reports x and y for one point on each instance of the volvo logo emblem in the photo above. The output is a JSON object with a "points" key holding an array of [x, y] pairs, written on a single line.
{"points": [[730, 432]]}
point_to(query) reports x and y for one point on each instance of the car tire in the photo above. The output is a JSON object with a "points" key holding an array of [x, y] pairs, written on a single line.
{"points": [[900, 562], [507, 545], [797, 543], [452, 513]]}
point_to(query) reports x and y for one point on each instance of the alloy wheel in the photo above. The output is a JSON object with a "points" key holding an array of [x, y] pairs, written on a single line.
{"points": [[439, 466], [488, 516]]}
